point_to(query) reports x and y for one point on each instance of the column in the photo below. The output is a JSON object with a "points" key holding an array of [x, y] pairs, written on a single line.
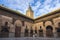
{"points": [[12, 31], [11, 34], [26, 32], [31, 32]]}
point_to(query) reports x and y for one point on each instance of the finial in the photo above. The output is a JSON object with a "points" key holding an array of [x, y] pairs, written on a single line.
{"points": [[30, 7]]}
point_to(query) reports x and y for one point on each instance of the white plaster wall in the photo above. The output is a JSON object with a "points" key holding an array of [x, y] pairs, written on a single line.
{"points": [[56, 21]]}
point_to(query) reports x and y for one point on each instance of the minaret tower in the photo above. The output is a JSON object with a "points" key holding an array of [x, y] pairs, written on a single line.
{"points": [[29, 12]]}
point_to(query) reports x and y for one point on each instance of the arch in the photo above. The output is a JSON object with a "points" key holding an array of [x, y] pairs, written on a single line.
{"points": [[18, 28], [49, 31], [48, 23], [18, 23], [5, 30], [49, 27]]}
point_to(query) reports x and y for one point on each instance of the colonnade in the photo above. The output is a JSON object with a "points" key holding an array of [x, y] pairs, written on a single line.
{"points": [[28, 33]]}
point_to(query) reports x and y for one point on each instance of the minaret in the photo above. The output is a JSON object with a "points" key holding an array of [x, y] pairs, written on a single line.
{"points": [[29, 12]]}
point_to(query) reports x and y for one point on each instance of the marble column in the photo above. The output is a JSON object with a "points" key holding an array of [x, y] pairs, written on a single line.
{"points": [[11, 34], [44, 33], [12, 31]]}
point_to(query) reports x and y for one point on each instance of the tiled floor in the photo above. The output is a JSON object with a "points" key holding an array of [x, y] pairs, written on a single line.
{"points": [[30, 38]]}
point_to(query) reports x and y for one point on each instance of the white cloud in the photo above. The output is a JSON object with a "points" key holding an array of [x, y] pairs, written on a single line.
{"points": [[17, 4], [37, 5], [47, 7], [39, 8]]}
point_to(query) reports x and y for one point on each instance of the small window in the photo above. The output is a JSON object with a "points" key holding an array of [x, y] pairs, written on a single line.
{"points": [[26, 32], [31, 32], [40, 32], [22, 23], [35, 29], [59, 24], [40, 27]]}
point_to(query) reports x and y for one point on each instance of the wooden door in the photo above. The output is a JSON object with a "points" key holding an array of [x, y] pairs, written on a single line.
{"points": [[17, 31]]}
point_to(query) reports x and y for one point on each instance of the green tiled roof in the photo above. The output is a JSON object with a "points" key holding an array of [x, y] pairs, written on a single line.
{"points": [[16, 12]]}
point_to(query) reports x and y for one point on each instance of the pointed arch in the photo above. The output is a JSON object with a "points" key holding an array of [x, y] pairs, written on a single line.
{"points": [[18, 23]]}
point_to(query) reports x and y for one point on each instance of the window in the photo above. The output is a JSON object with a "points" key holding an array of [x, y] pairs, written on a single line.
{"points": [[40, 32], [31, 32], [26, 32], [36, 30], [22, 23]]}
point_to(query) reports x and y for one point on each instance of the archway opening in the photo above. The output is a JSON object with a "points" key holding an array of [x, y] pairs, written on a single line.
{"points": [[58, 30], [35, 30], [17, 31], [49, 31], [5, 30], [31, 32], [17, 28], [26, 32], [40, 32], [49, 28]]}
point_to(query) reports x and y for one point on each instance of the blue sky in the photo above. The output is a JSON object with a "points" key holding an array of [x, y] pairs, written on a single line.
{"points": [[40, 7]]}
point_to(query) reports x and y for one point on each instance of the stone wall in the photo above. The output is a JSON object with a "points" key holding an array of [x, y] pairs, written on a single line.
{"points": [[17, 21]]}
